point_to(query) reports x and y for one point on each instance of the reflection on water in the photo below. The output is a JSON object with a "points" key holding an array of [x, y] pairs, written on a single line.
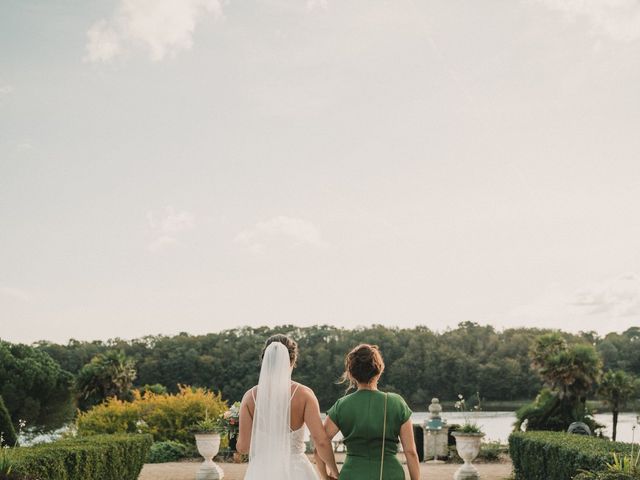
{"points": [[32, 437], [498, 425]]}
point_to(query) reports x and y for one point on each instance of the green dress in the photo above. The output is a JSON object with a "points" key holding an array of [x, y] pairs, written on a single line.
{"points": [[360, 417]]}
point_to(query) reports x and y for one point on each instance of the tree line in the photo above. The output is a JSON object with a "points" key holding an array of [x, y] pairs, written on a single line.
{"points": [[45, 381]]}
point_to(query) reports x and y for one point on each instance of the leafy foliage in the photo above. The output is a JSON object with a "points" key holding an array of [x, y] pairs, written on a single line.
{"points": [[33, 386], [570, 373], [559, 456], [7, 431], [164, 416], [616, 388], [109, 374], [420, 363], [104, 457], [490, 451], [168, 451]]}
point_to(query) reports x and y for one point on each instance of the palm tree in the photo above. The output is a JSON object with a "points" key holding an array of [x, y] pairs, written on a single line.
{"points": [[616, 389], [571, 371], [109, 374]]}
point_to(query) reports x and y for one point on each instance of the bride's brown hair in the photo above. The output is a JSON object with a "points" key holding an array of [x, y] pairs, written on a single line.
{"points": [[362, 364], [290, 343]]}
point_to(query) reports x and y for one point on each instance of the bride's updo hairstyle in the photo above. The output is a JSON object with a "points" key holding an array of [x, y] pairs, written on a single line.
{"points": [[362, 364], [291, 345]]}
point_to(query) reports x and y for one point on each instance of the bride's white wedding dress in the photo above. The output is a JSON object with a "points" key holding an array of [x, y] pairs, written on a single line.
{"points": [[276, 451], [301, 468]]}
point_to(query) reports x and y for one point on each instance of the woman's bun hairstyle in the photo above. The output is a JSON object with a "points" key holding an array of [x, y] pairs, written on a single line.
{"points": [[362, 364], [291, 345]]}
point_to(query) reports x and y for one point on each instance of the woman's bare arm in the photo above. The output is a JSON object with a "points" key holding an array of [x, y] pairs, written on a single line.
{"points": [[320, 439], [330, 430], [409, 448], [246, 424]]}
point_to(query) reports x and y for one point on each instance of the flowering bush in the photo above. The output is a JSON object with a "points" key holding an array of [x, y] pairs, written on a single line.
{"points": [[165, 416], [230, 421]]}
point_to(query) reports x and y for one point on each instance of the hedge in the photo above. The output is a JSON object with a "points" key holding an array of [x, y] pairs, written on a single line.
{"points": [[7, 432], [103, 457], [559, 456]]}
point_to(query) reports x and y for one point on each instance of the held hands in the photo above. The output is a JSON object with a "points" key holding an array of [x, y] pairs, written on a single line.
{"points": [[332, 474]]}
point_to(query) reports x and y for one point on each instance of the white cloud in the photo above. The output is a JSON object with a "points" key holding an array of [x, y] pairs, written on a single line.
{"points": [[294, 230], [160, 243], [161, 27], [619, 19], [15, 293], [617, 297], [602, 306], [317, 4], [103, 42], [168, 227], [24, 147]]}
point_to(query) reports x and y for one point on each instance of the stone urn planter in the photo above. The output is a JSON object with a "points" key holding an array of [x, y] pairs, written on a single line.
{"points": [[468, 447], [208, 445]]}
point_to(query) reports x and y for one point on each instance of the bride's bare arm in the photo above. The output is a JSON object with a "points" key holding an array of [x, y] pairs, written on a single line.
{"points": [[322, 442], [331, 430], [246, 423]]}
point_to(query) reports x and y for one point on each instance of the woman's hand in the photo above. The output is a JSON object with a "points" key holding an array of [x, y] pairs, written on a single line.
{"points": [[332, 474]]}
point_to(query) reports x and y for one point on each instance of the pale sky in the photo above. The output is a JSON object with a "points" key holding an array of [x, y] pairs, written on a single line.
{"points": [[197, 165]]}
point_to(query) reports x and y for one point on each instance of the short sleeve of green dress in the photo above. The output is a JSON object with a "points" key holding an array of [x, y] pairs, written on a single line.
{"points": [[360, 418]]}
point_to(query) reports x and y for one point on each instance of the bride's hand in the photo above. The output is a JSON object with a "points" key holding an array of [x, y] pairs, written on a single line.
{"points": [[333, 475]]}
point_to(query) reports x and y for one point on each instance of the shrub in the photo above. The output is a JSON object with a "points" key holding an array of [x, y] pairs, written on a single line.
{"points": [[7, 431], [166, 417], [490, 451], [168, 451], [559, 456], [607, 476], [104, 457]]}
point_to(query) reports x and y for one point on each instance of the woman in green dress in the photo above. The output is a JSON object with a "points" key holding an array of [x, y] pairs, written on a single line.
{"points": [[360, 416]]}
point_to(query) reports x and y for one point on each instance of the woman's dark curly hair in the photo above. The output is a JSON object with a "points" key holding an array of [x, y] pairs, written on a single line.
{"points": [[362, 364]]}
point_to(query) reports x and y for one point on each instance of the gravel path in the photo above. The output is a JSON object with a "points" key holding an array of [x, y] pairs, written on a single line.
{"points": [[234, 471]]}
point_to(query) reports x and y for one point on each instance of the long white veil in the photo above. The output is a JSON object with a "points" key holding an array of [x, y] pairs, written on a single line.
{"points": [[270, 451]]}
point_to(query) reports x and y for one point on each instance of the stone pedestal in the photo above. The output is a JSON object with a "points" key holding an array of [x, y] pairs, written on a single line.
{"points": [[468, 446], [208, 446], [436, 433], [211, 472], [436, 443]]}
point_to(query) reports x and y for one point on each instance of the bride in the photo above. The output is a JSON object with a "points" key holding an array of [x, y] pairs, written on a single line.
{"points": [[272, 420]]}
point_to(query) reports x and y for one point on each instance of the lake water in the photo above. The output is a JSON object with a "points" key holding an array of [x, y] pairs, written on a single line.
{"points": [[498, 425]]}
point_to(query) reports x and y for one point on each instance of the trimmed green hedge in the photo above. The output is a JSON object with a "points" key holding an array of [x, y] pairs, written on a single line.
{"points": [[559, 456], [98, 457]]}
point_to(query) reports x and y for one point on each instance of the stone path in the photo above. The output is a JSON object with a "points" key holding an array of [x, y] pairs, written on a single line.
{"points": [[234, 471]]}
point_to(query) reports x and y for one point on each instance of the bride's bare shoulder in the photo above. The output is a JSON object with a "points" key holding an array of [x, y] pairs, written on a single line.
{"points": [[304, 390], [250, 394]]}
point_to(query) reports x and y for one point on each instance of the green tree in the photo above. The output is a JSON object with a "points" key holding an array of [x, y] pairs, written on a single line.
{"points": [[7, 431], [569, 373], [34, 387], [616, 388], [109, 374]]}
